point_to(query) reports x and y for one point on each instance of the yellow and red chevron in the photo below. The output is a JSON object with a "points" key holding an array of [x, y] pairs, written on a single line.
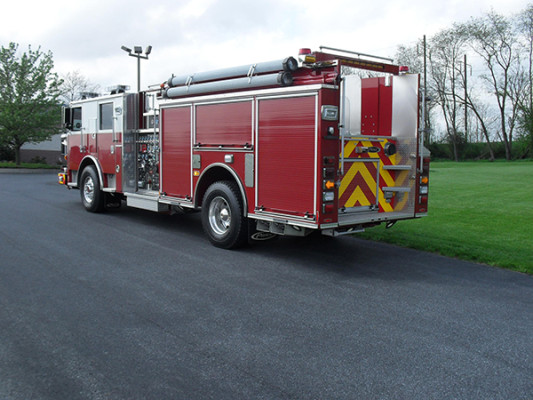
{"points": [[358, 186]]}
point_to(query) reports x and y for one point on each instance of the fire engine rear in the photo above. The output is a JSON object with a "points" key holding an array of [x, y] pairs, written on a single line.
{"points": [[285, 147]]}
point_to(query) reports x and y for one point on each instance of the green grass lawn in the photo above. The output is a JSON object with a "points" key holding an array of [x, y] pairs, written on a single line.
{"points": [[8, 164], [478, 211]]}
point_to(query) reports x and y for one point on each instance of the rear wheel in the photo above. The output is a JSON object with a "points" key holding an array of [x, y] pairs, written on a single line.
{"points": [[92, 196], [222, 215]]}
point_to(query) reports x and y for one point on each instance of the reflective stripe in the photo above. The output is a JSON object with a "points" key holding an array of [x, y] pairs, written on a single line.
{"points": [[362, 181]]}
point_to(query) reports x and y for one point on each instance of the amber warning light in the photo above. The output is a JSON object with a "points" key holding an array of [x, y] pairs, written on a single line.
{"points": [[62, 178]]}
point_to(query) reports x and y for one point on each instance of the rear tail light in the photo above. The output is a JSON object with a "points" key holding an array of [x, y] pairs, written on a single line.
{"points": [[328, 208], [329, 184], [423, 187], [328, 196]]}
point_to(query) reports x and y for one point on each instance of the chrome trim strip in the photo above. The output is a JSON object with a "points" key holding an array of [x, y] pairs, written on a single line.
{"points": [[192, 137], [224, 149], [371, 217], [256, 152], [315, 190], [221, 101], [99, 99]]}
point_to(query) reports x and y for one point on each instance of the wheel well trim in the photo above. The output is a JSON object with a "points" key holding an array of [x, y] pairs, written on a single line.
{"points": [[88, 160], [235, 178]]}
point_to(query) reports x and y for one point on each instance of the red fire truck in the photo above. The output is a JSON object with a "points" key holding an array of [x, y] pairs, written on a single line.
{"points": [[286, 147]]}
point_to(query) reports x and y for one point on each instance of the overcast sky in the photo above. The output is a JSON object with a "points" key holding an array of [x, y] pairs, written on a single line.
{"points": [[197, 35]]}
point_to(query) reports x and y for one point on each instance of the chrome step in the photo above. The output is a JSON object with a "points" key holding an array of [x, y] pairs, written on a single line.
{"points": [[397, 167], [399, 189]]}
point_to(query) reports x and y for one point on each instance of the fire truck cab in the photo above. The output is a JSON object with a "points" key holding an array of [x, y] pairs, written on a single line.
{"points": [[285, 147]]}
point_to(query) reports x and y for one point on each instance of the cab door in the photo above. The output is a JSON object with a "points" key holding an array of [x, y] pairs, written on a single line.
{"points": [[110, 123]]}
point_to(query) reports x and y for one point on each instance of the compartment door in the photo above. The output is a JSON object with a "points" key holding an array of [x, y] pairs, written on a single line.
{"points": [[286, 161], [176, 173]]}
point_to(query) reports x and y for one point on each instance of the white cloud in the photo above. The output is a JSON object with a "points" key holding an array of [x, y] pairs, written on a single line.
{"points": [[194, 35]]}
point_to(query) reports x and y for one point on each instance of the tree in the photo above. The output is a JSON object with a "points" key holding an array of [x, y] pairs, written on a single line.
{"points": [[482, 115], [525, 27], [472, 101], [29, 97], [493, 38], [75, 86], [446, 51]]}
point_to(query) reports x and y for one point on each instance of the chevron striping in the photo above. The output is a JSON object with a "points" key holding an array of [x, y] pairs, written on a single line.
{"points": [[349, 148], [369, 179], [352, 182], [403, 180], [348, 177], [363, 183], [387, 178], [357, 197], [358, 186]]}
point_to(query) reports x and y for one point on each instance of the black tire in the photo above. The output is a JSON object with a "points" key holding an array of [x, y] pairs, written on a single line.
{"points": [[91, 194], [222, 216]]}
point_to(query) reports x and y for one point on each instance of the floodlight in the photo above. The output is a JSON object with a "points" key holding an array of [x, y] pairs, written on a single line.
{"points": [[138, 54]]}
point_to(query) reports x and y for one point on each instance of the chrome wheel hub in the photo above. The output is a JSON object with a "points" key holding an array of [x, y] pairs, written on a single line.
{"points": [[219, 216], [88, 190]]}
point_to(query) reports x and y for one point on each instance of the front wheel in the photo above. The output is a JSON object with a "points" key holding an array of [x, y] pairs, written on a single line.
{"points": [[92, 196], [222, 215]]}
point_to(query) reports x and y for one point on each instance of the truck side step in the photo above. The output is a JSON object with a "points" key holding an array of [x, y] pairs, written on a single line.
{"points": [[280, 228], [145, 202]]}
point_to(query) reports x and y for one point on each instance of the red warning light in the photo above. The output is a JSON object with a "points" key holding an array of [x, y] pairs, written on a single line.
{"points": [[404, 69]]}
